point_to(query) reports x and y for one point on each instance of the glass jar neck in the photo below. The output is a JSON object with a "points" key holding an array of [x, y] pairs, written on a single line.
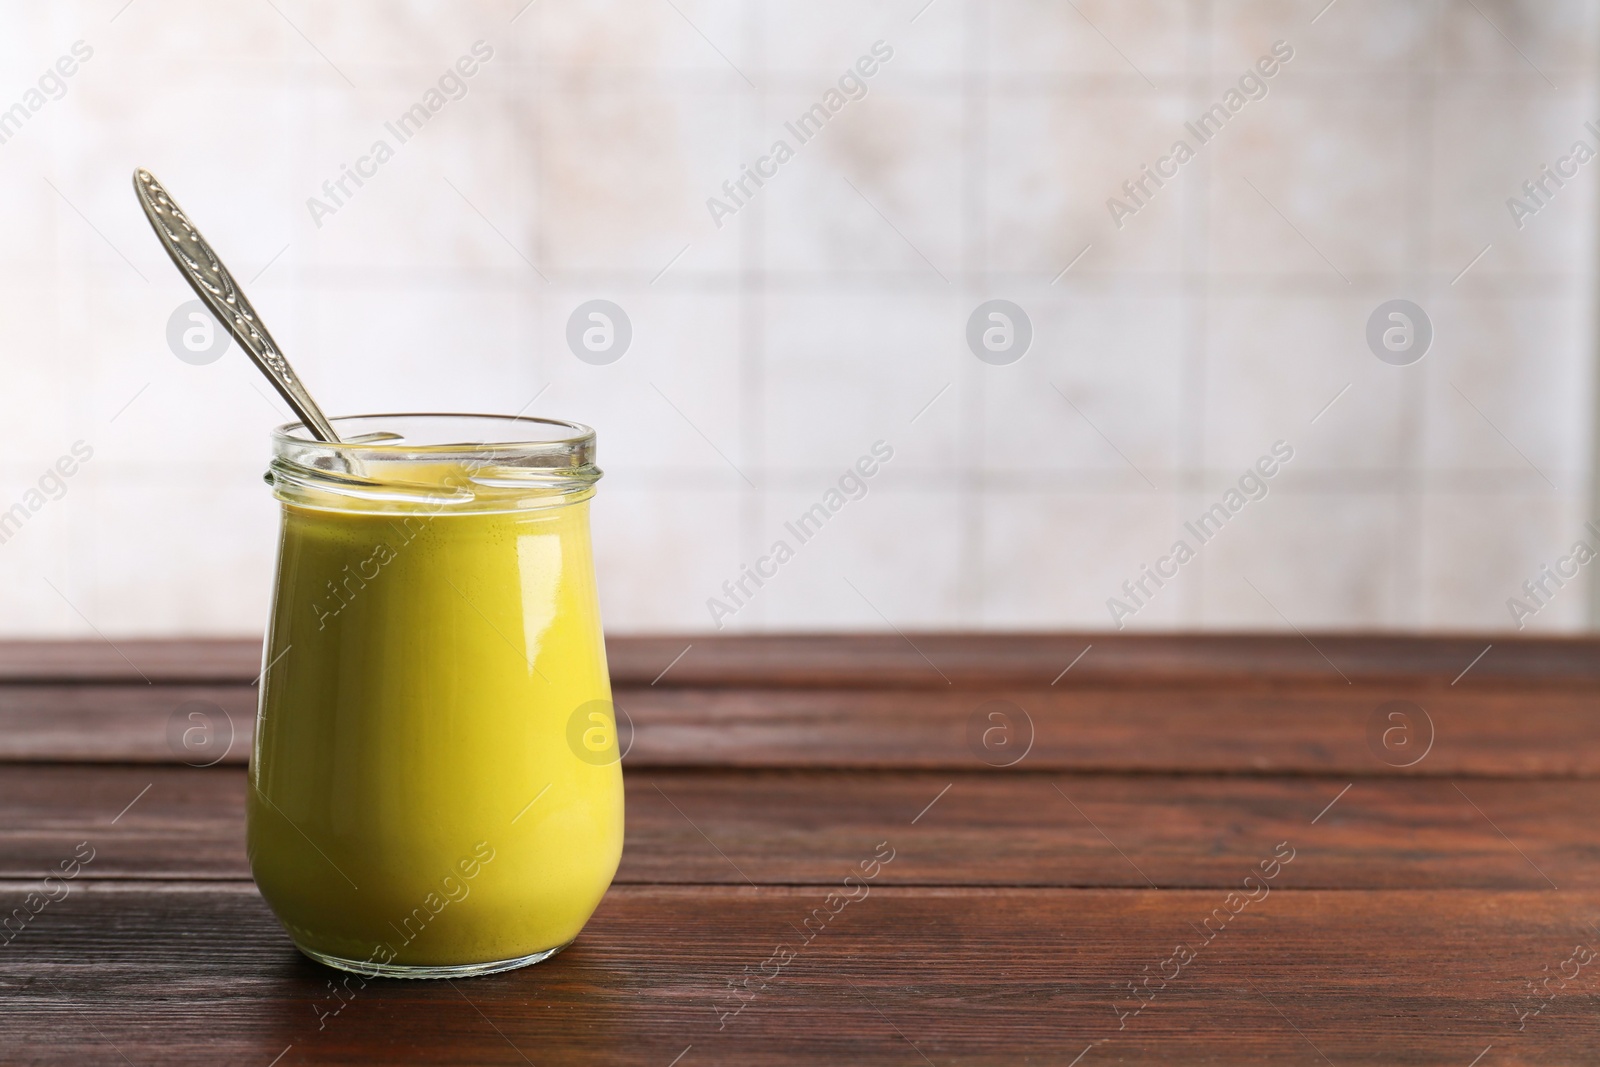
{"points": [[435, 463]]}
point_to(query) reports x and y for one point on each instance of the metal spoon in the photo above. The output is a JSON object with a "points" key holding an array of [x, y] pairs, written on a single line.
{"points": [[211, 281]]}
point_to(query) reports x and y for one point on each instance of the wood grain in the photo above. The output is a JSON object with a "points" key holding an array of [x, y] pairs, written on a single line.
{"points": [[128, 660], [925, 660], [1313, 729], [118, 723], [904, 976], [1034, 661], [1157, 729], [1423, 899], [810, 827]]}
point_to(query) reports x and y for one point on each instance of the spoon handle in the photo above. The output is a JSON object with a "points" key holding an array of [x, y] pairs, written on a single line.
{"points": [[199, 265]]}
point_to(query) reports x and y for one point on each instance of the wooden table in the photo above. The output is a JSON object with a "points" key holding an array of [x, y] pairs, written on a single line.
{"points": [[1215, 850]]}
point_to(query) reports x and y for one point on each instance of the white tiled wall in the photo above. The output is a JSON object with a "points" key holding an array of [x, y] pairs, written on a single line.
{"points": [[829, 311]]}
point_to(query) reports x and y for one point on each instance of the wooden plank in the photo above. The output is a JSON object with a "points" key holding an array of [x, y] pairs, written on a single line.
{"points": [[810, 827], [926, 661], [130, 660], [1035, 660], [181, 974], [127, 723], [1311, 730]]}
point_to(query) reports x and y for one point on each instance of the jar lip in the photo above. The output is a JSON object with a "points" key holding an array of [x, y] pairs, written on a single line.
{"points": [[483, 460], [386, 435]]}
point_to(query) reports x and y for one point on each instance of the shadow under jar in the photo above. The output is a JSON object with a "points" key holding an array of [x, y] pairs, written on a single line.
{"points": [[435, 789]]}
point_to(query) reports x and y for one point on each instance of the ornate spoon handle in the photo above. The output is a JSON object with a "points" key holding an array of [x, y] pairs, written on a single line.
{"points": [[216, 288]]}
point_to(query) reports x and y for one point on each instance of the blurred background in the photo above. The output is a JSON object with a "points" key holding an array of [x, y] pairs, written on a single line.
{"points": [[1155, 343]]}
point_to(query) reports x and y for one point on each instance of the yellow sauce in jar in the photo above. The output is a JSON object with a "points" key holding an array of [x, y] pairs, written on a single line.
{"points": [[415, 800]]}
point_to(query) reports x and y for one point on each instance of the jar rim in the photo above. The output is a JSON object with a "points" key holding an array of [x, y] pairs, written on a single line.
{"points": [[377, 455], [384, 437]]}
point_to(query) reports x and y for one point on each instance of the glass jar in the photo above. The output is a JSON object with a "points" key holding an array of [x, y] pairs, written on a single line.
{"points": [[435, 788]]}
